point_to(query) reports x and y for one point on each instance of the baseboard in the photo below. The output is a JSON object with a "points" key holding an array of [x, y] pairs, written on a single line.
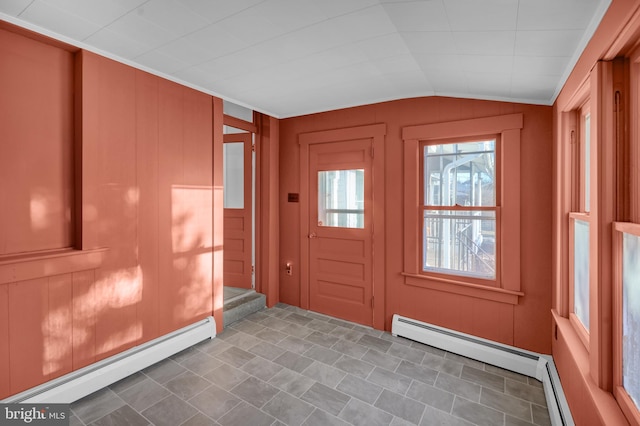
{"points": [[80, 383], [527, 363]]}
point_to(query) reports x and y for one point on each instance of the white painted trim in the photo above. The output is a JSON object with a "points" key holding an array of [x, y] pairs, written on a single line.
{"points": [[80, 383], [521, 361]]}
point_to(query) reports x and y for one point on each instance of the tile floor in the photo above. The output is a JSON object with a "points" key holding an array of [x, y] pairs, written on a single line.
{"points": [[287, 366]]}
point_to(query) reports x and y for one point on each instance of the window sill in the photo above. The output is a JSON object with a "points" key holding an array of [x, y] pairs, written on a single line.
{"points": [[458, 287], [29, 266]]}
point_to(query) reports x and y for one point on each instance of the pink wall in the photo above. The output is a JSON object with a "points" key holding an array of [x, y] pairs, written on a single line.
{"points": [[526, 324], [586, 375], [36, 179], [143, 259]]}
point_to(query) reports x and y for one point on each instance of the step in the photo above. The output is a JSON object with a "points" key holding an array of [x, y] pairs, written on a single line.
{"points": [[243, 306]]}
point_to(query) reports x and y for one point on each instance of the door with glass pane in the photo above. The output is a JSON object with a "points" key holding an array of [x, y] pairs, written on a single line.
{"points": [[340, 238], [237, 210]]}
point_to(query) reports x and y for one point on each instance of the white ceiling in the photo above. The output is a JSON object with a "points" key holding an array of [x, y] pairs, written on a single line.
{"points": [[293, 57]]}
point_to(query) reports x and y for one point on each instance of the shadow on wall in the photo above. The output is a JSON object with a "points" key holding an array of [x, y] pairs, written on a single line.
{"points": [[93, 314]]}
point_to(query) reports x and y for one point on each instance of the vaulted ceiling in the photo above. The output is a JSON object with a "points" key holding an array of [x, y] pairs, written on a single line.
{"points": [[293, 57]]}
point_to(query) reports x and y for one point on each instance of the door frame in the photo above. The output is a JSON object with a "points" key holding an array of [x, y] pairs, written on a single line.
{"points": [[247, 139], [375, 132]]}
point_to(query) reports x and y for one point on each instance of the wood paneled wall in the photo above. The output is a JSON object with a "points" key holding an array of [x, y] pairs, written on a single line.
{"points": [[525, 324], [142, 171]]}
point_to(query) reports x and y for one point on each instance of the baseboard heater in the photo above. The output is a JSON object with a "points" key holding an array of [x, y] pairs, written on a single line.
{"points": [[508, 357], [80, 383]]}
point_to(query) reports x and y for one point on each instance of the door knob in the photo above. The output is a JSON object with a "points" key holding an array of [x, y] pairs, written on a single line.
{"points": [[313, 235]]}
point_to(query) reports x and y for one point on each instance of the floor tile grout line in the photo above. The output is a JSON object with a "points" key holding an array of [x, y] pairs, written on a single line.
{"points": [[504, 412], [388, 352], [111, 390]]}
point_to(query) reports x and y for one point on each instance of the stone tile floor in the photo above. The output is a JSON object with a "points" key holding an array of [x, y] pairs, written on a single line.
{"points": [[287, 366]]}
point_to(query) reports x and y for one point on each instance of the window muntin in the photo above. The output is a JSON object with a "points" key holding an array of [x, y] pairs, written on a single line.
{"points": [[459, 195], [341, 198]]}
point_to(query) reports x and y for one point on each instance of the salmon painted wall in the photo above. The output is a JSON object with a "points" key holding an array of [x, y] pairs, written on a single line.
{"points": [[591, 403], [36, 179], [526, 324], [139, 264]]}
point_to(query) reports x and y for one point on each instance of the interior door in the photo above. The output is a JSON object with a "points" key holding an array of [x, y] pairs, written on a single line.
{"points": [[237, 210], [341, 230]]}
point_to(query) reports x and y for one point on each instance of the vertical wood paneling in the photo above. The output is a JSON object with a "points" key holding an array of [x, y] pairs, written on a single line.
{"points": [[118, 280], [171, 217], [28, 309], [5, 367], [218, 213], [144, 177], [198, 149], [147, 179], [89, 148], [492, 319], [83, 334], [36, 179], [58, 344]]}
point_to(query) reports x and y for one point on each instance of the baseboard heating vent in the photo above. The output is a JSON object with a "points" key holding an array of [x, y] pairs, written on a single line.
{"points": [[508, 357], [80, 383]]}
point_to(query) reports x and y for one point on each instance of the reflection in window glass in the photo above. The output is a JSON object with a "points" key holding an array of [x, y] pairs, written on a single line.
{"points": [[460, 173], [341, 198], [581, 272], [460, 241], [233, 166], [631, 316]]}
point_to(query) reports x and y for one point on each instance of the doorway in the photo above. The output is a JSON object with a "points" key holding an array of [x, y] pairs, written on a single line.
{"points": [[238, 211], [342, 223]]}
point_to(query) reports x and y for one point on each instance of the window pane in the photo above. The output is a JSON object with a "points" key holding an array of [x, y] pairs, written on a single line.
{"points": [[462, 174], [581, 272], [233, 166], [460, 241], [631, 316], [341, 198], [587, 162]]}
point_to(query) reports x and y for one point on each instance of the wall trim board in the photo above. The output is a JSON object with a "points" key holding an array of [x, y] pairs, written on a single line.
{"points": [[495, 294], [30, 266]]}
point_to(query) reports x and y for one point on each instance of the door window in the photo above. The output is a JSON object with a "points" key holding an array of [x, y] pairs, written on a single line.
{"points": [[233, 175], [341, 198]]}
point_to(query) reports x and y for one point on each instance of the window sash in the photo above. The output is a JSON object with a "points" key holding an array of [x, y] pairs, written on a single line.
{"points": [[467, 253], [460, 244], [626, 335], [631, 315], [580, 278]]}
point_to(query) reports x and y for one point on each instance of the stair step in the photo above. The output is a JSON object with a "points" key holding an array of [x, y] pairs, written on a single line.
{"points": [[242, 307]]}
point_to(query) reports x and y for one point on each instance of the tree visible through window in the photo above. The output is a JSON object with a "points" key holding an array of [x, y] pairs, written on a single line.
{"points": [[459, 195]]}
